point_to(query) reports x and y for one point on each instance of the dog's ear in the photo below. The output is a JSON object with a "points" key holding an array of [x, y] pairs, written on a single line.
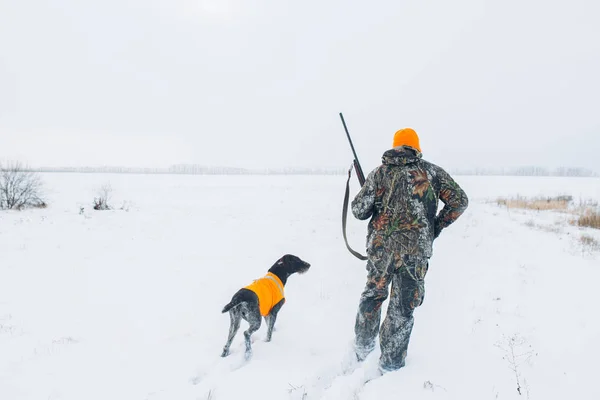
{"points": [[287, 259]]}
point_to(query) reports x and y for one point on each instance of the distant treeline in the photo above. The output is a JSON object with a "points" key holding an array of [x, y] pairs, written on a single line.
{"points": [[187, 169], [190, 169], [528, 171]]}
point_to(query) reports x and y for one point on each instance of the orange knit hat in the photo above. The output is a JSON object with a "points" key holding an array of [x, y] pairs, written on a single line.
{"points": [[407, 137]]}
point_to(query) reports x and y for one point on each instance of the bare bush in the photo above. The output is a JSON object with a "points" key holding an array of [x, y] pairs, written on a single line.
{"points": [[103, 199], [516, 352], [296, 390], [20, 188], [589, 243]]}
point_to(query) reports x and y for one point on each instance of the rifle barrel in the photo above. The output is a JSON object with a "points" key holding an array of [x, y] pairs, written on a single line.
{"points": [[349, 139], [357, 167]]}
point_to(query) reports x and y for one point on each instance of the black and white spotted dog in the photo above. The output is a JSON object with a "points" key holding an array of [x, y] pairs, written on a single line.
{"points": [[263, 298]]}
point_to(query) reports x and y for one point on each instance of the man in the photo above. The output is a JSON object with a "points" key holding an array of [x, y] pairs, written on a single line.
{"points": [[401, 198]]}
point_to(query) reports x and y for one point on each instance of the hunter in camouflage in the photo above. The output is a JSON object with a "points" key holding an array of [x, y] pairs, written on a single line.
{"points": [[401, 197]]}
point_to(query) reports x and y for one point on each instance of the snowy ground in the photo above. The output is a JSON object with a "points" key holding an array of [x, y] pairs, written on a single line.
{"points": [[126, 304]]}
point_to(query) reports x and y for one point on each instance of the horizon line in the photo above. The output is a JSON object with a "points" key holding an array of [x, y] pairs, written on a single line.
{"points": [[196, 169]]}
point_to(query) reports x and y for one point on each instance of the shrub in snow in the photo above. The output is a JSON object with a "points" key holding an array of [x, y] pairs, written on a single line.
{"points": [[20, 188], [589, 244], [102, 202], [516, 352]]}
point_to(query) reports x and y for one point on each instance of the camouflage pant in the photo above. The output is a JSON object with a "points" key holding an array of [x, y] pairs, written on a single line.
{"points": [[406, 274]]}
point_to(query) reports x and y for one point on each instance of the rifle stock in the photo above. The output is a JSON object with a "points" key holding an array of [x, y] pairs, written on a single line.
{"points": [[359, 173]]}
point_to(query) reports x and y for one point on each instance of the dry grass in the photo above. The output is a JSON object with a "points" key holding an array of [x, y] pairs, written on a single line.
{"points": [[589, 219], [559, 203], [587, 212]]}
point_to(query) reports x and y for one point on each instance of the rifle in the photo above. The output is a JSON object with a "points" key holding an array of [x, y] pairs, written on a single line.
{"points": [[357, 168], [361, 180]]}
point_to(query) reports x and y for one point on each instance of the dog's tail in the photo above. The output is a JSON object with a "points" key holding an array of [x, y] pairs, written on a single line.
{"points": [[232, 304]]}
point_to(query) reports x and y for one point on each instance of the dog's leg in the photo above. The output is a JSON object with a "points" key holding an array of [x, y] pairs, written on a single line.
{"points": [[235, 317], [254, 319], [272, 317]]}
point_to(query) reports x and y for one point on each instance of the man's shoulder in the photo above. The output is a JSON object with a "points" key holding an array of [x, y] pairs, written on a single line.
{"points": [[434, 169], [376, 171]]}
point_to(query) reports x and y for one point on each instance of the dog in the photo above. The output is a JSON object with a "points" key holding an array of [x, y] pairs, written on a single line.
{"points": [[263, 298]]}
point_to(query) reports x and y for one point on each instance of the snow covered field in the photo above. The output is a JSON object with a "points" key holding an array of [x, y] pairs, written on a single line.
{"points": [[126, 304]]}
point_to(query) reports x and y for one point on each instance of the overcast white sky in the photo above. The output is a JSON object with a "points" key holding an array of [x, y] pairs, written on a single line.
{"points": [[260, 83]]}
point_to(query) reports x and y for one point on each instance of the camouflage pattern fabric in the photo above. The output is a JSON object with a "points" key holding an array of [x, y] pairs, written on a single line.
{"points": [[408, 292], [401, 197]]}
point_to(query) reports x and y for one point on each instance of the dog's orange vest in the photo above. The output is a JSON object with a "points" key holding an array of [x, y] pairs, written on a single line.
{"points": [[269, 290]]}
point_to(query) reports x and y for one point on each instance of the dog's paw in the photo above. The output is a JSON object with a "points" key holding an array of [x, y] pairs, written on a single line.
{"points": [[225, 353], [248, 355]]}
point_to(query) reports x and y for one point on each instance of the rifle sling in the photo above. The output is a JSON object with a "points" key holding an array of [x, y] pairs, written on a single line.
{"points": [[345, 217]]}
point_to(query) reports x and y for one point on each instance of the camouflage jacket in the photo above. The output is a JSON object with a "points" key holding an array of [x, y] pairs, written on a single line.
{"points": [[401, 196]]}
